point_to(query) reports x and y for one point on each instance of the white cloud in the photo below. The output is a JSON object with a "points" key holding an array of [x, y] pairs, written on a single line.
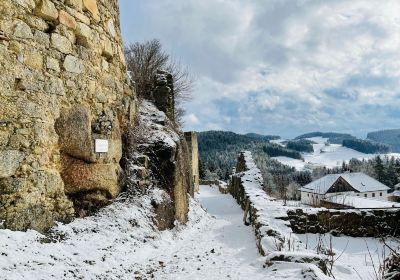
{"points": [[281, 66], [191, 119]]}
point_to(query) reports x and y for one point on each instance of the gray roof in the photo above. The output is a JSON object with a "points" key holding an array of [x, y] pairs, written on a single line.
{"points": [[359, 181]]}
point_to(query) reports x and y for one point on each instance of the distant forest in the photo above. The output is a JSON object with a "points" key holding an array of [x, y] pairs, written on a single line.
{"points": [[390, 137], [366, 146], [219, 151], [333, 137], [347, 140]]}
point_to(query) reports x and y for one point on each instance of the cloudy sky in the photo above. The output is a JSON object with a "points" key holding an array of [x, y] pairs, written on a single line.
{"points": [[280, 66]]}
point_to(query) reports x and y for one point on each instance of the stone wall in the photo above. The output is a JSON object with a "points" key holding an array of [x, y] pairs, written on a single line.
{"points": [[163, 93], [356, 223], [63, 85], [191, 139]]}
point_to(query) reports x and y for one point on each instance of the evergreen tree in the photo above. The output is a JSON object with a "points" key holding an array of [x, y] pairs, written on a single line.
{"points": [[379, 169], [391, 177]]}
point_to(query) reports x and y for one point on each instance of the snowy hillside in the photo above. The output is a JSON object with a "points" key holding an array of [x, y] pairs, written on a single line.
{"points": [[329, 155]]}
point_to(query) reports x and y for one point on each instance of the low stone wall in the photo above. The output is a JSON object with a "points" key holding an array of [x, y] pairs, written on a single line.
{"points": [[356, 223], [208, 182], [246, 187]]}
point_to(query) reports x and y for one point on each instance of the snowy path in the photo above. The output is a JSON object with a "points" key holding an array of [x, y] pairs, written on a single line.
{"points": [[224, 248]]}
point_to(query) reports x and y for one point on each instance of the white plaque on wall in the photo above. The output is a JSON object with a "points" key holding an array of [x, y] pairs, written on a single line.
{"points": [[101, 146]]}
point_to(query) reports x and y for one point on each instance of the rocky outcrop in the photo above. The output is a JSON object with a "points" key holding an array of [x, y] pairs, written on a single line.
{"points": [[63, 85], [161, 154], [356, 223]]}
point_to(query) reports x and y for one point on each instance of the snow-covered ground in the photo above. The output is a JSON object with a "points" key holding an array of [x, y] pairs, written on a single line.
{"points": [[362, 255], [331, 155], [120, 242]]}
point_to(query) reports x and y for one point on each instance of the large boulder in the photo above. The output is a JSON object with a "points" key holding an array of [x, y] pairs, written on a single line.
{"points": [[90, 186]]}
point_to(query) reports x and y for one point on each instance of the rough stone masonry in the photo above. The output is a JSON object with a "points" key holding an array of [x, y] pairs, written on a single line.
{"points": [[63, 87]]}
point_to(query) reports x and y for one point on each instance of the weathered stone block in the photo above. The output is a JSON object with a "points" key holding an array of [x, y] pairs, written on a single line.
{"points": [[107, 48], [9, 162], [91, 6], [33, 59], [53, 64], [81, 177], [111, 28], [61, 43], [47, 10], [77, 4], [55, 85], [28, 4], [42, 38], [83, 34], [22, 30], [66, 19], [75, 133], [73, 64]]}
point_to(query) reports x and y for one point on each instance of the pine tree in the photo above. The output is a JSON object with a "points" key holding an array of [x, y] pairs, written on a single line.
{"points": [[379, 169], [391, 175]]}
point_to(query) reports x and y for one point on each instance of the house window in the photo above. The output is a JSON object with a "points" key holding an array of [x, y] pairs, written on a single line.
{"points": [[373, 194], [365, 195], [308, 195], [380, 194]]}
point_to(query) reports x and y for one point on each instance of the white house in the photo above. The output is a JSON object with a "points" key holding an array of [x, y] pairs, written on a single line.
{"points": [[343, 185]]}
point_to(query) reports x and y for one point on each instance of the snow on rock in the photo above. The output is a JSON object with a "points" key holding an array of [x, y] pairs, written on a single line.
{"points": [[155, 121]]}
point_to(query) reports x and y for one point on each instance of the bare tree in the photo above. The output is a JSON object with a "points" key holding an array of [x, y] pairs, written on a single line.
{"points": [[282, 183], [143, 61]]}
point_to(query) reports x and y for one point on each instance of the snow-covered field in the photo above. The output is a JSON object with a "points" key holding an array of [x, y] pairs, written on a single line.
{"points": [[362, 255], [326, 155], [120, 242]]}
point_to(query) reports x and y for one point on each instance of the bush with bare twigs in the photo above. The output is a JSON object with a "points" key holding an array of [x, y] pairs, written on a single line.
{"points": [[143, 61]]}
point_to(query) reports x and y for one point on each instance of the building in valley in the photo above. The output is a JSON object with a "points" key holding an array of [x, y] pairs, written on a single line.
{"points": [[345, 189]]}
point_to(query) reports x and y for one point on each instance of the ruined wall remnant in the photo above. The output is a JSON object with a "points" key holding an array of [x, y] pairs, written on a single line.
{"points": [[163, 93], [63, 85], [191, 139], [356, 223], [246, 187], [168, 163]]}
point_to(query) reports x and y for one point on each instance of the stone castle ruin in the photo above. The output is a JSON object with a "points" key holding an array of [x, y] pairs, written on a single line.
{"points": [[66, 104]]}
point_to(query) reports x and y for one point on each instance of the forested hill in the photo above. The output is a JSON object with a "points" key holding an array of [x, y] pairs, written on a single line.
{"points": [[389, 137], [333, 137], [367, 146], [219, 149]]}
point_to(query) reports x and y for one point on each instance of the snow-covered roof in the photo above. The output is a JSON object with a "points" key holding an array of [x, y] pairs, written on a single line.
{"points": [[361, 202], [359, 181], [395, 193]]}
